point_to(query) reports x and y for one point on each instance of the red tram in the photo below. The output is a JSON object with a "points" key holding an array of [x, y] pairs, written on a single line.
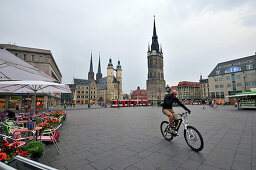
{"points": [[130, 103]]}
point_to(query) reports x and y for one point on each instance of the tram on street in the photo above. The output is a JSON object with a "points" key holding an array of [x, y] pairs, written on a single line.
{"points": [[130, 103]]}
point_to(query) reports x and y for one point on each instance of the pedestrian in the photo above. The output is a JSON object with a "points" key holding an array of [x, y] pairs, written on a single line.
{"points": [[10, 114], [203, 103]]}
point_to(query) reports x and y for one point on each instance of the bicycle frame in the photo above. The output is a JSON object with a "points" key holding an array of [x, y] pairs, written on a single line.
{"points": [[183, 118]]}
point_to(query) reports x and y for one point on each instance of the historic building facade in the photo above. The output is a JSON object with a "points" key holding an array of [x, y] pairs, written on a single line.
{"points": [[188, 91], [155, 82], [101, 89], [39, 58], [231, 77], [204, 88]]}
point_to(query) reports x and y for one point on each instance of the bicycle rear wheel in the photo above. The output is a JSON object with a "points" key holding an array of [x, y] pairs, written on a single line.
{"points": [[193, 138], [165, 130]]}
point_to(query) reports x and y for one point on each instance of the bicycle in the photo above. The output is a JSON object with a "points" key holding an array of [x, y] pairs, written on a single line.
{"points": [[192, 136]]}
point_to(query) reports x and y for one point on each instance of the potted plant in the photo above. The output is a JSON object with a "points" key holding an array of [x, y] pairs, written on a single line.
{"points": [[35, 149]]}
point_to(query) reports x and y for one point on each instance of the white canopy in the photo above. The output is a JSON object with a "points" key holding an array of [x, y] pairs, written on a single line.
{"points": [[32, 87], [13, 68]]}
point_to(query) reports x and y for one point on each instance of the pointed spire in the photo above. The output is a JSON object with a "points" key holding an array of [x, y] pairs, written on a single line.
{"points": [[99, 67], [148, 48], [91, 66], [99, 74], [154, 45], [91, 73], [161, 49], [154, 29]]}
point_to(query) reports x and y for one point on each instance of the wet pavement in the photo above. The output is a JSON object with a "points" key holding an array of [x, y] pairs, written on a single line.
{"points": [[130, 138]]}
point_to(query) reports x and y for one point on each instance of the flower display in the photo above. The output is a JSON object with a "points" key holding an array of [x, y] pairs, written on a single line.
{"points": [[57, 113], [49, 124], [9, 151]]}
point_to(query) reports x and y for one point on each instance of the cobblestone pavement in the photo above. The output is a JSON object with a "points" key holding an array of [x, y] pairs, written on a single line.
{"points": [[130, 138]]}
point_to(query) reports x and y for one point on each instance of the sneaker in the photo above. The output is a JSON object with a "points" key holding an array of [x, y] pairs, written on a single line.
{"points": [[174, 132]]}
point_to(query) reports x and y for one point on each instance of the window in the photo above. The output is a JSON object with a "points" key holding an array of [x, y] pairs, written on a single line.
{"points": [[239, 84], [216, 86], [86, 87], [221, 86], [220, 79], [253, 74], [234, 86], [248, 83], [216, 79], [25, 56], [237, 76], [222, 94], [86, 92], [82, 92], [217, 94], [78, 97], [253, 82], [229, 85], [247, 75], [32, 58], [233, 69], [228, 77], [217, 72], [249, 67], [78, 92], [16, 54]]}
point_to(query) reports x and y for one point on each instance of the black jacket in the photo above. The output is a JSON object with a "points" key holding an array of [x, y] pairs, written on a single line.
{"points": [[169, 100]]}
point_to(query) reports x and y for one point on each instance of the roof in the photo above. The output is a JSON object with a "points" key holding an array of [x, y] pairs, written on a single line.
{"points": [[82, 82], [102, 83], [115, 80], [203, 80], [188, 84], [241, 62]]}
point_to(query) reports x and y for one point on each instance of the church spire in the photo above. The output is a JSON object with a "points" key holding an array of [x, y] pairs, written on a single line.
{"points": [[91, 73], [154, 45], [91, 66], [99, 75]]}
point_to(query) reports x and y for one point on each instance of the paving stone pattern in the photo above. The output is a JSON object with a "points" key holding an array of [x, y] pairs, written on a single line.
{"points": [[130, 138]]}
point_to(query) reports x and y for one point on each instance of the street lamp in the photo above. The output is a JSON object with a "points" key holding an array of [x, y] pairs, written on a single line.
{"points": [[244, 85], [89, 102], [118, 82]]}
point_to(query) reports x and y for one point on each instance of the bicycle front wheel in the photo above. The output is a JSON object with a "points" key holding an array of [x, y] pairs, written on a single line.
{"points": [[193, 138], [165, 130]]}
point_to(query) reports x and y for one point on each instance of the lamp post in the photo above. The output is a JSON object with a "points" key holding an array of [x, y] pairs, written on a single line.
{"points": [[118, 82], [244, 85], [89, 98]]}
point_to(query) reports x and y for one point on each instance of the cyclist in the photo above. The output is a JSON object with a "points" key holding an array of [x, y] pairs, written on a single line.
{"points": [[169, 99]]}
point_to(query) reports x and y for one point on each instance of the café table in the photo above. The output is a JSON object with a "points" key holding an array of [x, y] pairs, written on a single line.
{"points": [[26, 130]]}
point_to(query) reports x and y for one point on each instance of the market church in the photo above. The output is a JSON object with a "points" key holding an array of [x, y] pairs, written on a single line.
{"points": [[101, 89]]}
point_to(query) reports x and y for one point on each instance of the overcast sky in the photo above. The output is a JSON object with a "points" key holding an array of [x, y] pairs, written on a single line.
{"points": [[195, 35]]}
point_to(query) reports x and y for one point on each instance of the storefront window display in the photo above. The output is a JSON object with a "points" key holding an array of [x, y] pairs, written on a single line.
{"points": [[26, 101], [13, 101], [2, 102], [39, 102]]}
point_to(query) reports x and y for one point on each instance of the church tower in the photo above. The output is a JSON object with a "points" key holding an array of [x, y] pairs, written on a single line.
{"points": [[99, 74], [91, 73], [119, 79], [110, 79], [155, 81]]}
